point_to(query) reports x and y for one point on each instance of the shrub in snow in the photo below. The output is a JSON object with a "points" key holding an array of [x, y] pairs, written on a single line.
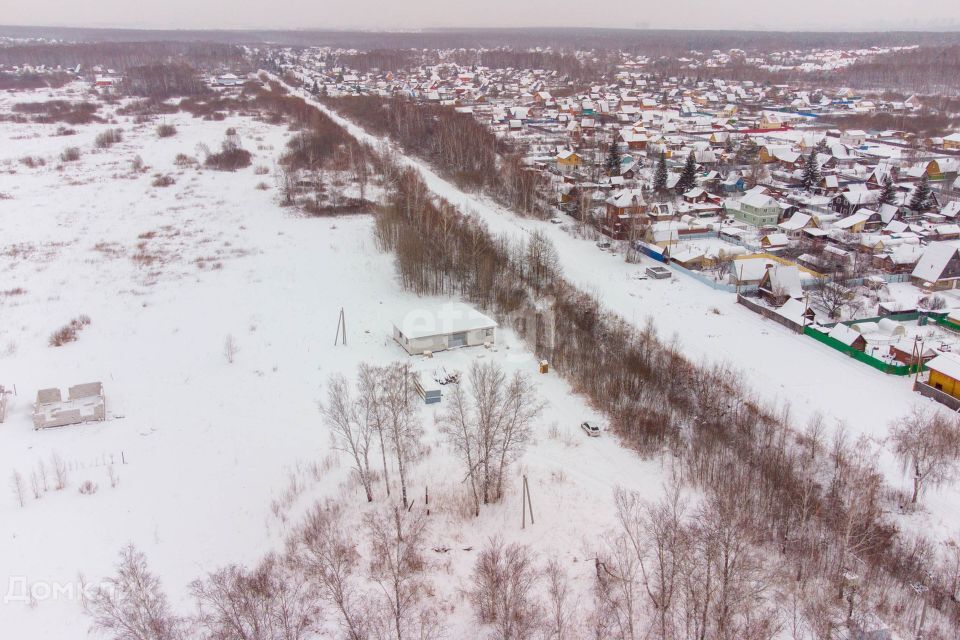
{"points": [[70, 154], [108, 138], [229, 159], [88, 488], [166, 131], [162, 181], [68, 332], [183, 160]]}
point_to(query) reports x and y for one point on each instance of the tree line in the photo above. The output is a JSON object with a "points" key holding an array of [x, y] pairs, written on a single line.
{"points": [[462, 148]]}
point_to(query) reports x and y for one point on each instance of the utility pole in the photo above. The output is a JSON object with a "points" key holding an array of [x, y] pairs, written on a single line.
{"points": [[526, 504], [341, 329]]}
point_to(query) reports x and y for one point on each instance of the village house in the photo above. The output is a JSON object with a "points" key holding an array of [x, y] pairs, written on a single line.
{"points": [[938, 268], [945, 374], [757, 209], [779, 283]]}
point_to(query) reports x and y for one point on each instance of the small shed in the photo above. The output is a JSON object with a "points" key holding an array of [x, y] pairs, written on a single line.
{"points": [[84, 403], [446, 326], [847, 336]]}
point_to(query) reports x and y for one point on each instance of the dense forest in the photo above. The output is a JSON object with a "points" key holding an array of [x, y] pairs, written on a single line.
{"points": [[652, 42], [122, 55]]}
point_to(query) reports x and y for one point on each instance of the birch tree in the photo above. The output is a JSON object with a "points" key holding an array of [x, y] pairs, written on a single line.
{"points": [[132, 604], [403, 428], [928, 447], [351, 423], [327, 554], [396, 537]]}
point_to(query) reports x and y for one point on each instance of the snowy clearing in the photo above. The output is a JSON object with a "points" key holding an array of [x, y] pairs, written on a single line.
{"points": [[214, 461]]}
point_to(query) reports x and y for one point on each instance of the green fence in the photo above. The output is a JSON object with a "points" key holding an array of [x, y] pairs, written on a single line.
{"points": [[876, 363], [944, 322]]}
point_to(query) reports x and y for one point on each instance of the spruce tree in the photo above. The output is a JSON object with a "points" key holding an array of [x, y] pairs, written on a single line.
{"points": [[660, 176], [612, 163], [688, 179], [887, 191], [822, 146], [921, 195], [811, 171], [747, 152]]}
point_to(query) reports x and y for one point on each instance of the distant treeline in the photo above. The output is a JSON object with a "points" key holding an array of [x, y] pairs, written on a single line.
{"points": [[122, 55], [647, 41], [21, 82], [929, 69]]}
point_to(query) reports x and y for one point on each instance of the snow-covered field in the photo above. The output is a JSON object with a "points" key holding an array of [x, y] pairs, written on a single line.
{"points": [[214, 461]]}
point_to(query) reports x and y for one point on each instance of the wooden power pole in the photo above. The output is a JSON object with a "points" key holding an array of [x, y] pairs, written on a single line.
{"points": [[527, 504], [341, 329]]}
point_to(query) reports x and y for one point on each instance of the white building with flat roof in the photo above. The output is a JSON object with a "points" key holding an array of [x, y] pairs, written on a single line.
{"points": [[444, 326]]}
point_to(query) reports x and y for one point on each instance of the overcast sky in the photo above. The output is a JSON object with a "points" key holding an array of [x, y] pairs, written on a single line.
{"points": [[838, 15]]}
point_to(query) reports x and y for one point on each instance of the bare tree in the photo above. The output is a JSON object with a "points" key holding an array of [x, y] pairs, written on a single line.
{"points": [[832, 297], [561, 609], [370, 389], [269, 602], [352, 427], [403, 426], [16, 485], [230, 348], [618, 590], [132, 604], [489, 426], [59, 472], [927, 445], [520, 408], [326, 552], [658, 535], [457, 424], [361, 169], [503, 587], [396, 536], [36, 488]]}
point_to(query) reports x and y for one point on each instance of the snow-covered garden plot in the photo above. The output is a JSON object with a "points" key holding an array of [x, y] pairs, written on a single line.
{"points": [[203, 462]]}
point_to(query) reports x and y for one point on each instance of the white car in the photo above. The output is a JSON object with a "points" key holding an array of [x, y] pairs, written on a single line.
{"points": [[590, 429], [556, 220]]}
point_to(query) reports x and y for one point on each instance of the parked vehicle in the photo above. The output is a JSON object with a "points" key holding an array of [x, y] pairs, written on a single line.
{"points": [[556, 220], [604, 244], [659, 273], [591, 430]]}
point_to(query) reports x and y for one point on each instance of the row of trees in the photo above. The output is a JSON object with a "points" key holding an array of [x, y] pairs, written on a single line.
{"points": [[318, 583], [121, 55], [381, 410], [462, 148]]}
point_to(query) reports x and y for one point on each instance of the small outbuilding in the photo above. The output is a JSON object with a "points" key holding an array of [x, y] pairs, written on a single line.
{"points": [[85, 403], [446, 326]]}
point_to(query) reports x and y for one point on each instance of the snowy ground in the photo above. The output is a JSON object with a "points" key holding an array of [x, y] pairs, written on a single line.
{"points": [[215, 460], [710, 325]]}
